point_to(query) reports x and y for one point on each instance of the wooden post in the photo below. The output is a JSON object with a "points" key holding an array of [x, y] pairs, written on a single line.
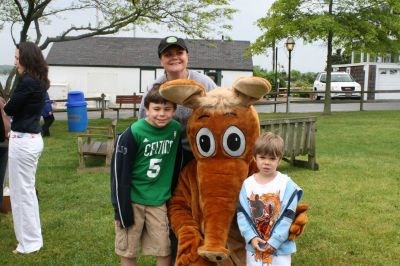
{"points": [[103, 105], [362, 99], [134, 104]]}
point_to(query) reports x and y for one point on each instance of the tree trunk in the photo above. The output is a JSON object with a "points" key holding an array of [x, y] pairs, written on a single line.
{"points": [[327, 102], [10, 84]]}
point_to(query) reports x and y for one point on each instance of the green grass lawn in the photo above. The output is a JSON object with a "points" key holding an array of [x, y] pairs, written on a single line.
{"points": [[354, 198]]}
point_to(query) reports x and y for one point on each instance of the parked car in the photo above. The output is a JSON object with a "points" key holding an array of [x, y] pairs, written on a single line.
{"points": [[342, 84]]}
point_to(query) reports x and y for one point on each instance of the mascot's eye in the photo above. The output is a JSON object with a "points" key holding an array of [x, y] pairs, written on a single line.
{"points": [[234, 142], [205, 142]]}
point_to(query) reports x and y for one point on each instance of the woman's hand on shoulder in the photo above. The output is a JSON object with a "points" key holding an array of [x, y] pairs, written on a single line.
{"points": [[2, 102]]}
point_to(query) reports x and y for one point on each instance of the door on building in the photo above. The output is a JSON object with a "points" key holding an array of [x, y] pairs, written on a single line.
{"points": [[147, 76], [387, 79], [215, 75]]}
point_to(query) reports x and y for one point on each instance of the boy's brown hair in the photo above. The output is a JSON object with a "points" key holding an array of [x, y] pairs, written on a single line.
{"points": [[269, 144], [153, 96]]}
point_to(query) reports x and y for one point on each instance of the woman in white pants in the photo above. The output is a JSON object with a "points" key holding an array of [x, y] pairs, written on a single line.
{"points": [[26, 144]]}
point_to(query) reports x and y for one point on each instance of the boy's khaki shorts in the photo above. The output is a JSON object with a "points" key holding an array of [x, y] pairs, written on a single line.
{"points": [[150, 233]]}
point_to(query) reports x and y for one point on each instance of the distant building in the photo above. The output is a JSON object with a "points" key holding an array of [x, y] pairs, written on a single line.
{"points": [[123, 66], [374, 74]]}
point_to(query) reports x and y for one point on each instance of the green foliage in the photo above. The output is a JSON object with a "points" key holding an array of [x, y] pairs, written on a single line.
{"points": [[371, 26], [340, 57], [309, 77], [295, 75], [298, 79], [194, 18], [366, 25], [357, 186], [354, 216], [5, 69], [270, 76]]}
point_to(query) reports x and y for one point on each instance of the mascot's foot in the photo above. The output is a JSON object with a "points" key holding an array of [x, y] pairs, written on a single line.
{"points": [[213, 255]]}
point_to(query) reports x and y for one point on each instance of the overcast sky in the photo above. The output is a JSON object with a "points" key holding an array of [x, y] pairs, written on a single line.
{"points": [[306, 58]]}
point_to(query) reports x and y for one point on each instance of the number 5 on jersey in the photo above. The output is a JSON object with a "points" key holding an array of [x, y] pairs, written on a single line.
{"points": [[154, 168]]}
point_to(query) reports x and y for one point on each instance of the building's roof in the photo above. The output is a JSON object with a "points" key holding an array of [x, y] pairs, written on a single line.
{"points": [[142, 52]]}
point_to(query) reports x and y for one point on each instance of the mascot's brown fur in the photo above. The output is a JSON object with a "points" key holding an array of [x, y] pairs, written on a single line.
{"points": [[221, 131]]}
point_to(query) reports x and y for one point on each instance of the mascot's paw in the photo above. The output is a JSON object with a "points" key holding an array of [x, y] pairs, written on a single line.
{"points": [[189, 241], [215, 255], [299, 223]]}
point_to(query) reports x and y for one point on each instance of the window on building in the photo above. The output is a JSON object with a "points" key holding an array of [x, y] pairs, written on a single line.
{"points": [[357, 57], [372, 58], [365, 59], [395, 58]]}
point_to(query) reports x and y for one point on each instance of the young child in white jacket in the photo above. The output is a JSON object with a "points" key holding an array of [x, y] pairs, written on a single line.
{"points": [[267, 206]]}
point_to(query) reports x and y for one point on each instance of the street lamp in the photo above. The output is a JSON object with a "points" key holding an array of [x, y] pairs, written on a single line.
{"points": [[289, 46]]}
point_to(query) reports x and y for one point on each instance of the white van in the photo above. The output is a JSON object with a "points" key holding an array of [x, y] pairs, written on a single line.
{"points": [[342, 86]]}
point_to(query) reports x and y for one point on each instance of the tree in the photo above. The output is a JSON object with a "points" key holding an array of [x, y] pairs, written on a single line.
{"points": [[270, 76], [371, 26], [196, 18], [341, 57]]}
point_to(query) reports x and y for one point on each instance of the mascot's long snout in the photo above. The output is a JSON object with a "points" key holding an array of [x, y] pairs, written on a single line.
{"points": [[219, 188]]}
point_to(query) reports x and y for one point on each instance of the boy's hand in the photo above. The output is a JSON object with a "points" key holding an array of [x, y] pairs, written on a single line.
{"points": [[259, 244]]}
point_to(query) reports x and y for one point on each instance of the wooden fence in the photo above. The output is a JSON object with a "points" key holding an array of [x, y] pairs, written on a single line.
{"points": [[299, 135], [280, 97], [100, 104]]}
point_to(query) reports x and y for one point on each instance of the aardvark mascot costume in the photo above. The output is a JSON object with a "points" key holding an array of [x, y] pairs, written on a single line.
{"points": [[222, 130]]}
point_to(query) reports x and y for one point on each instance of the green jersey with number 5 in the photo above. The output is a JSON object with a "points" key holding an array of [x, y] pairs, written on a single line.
{"points": [[153, 166]]}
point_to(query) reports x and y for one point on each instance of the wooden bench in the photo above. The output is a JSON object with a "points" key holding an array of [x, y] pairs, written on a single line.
{"points": [[299, 135], [100, 104], [99, 144], [123, 100]]}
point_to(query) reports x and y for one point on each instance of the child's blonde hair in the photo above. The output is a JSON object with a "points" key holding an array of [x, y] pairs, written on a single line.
{"points": [[269, 144]]}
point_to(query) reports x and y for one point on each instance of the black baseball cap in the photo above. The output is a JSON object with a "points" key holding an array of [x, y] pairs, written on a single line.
{"points": [[171, 41]]}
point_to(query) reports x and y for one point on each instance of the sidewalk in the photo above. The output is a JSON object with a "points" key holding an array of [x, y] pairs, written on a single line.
{"points": [[265, 106]]}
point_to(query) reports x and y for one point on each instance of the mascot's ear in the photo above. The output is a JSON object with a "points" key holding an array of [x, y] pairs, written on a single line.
{"points": [[251, 89], [183, 91]]}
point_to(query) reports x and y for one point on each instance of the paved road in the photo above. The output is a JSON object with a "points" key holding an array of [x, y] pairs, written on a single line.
{"points": [[319, 107], [280, 108]]}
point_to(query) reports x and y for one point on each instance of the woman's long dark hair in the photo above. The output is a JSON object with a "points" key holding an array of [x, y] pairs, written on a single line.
{"points": [[31, 58]]}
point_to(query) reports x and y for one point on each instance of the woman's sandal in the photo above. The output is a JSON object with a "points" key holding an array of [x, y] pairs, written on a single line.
{"points": [[16, 252]]}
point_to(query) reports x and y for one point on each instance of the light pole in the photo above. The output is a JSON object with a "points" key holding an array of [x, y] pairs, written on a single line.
{"points": [[276, 70], [289, 46]]}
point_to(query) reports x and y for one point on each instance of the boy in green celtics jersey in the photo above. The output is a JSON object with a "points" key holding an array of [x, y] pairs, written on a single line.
{"points": [[145, 164]]}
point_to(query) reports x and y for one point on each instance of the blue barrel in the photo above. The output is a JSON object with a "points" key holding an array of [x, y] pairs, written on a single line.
{"points": [[76, 111]]}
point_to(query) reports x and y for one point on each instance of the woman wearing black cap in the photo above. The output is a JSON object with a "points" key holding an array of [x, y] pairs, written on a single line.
{"points": [[174, 58]]}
